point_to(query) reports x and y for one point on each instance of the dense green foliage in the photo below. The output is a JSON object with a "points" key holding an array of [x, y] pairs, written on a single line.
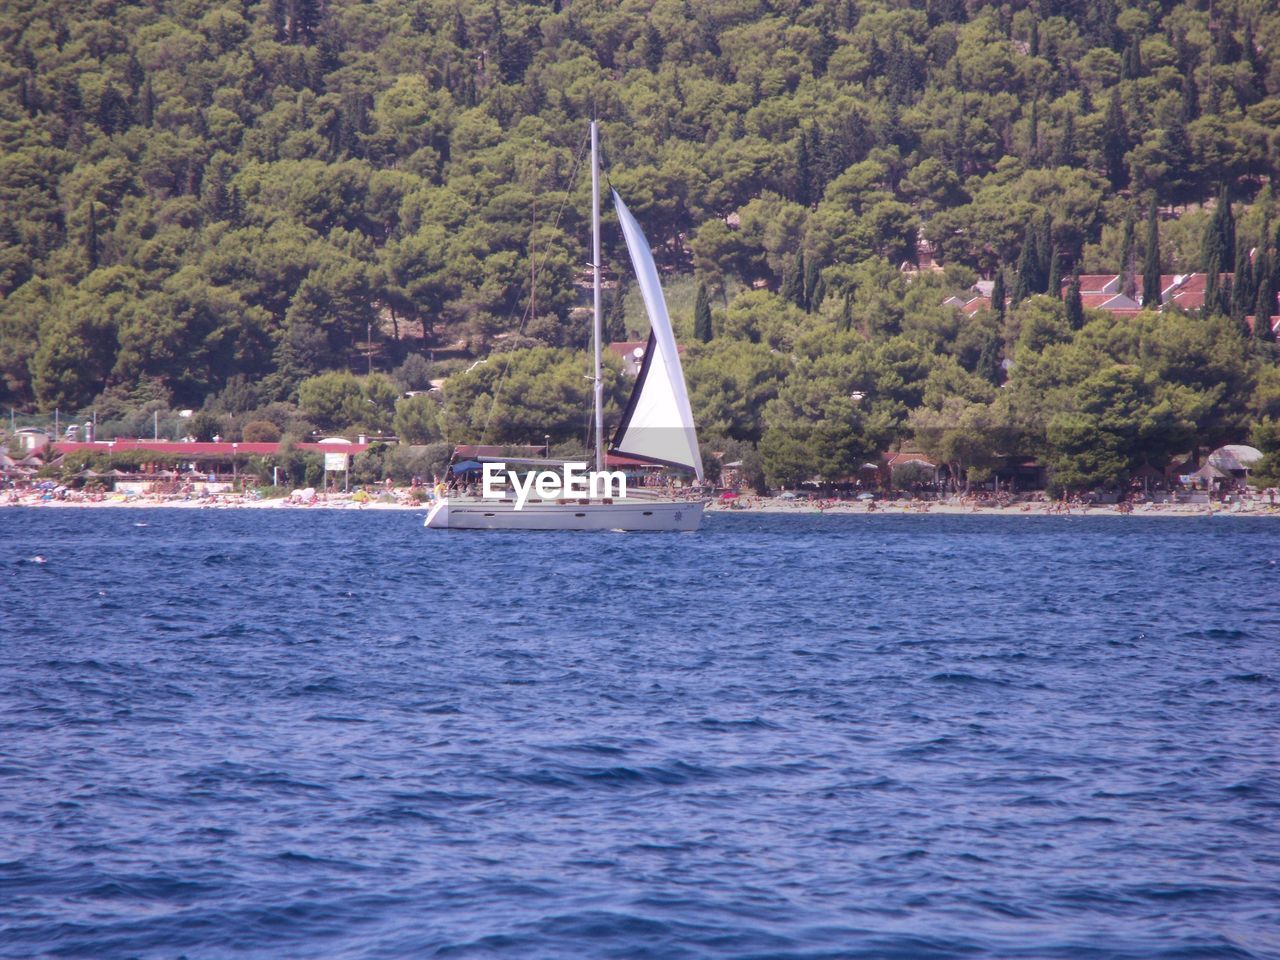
{"points": [[241, 205]]}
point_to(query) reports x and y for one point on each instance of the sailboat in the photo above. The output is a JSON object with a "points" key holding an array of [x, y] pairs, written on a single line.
{"points": [[657, 426]]}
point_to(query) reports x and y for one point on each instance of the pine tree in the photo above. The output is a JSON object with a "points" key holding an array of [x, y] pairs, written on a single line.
{"points": [[1151, 262], [1075, 305], [702, 315]]}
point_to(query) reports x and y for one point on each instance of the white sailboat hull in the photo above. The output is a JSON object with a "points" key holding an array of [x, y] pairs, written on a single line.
{"points": [[467, 513]]}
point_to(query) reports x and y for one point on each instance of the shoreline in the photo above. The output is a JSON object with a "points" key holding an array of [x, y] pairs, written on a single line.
{"points": [[765, 505]]}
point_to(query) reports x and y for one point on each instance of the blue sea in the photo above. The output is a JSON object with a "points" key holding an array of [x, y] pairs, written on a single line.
{"points": [[337, 734]]}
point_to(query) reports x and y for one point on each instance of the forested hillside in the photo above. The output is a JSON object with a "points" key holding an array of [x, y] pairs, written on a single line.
{"points": [[216, 203]]}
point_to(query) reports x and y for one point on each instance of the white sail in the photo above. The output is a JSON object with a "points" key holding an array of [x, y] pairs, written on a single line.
{"points": [[658, 424]]}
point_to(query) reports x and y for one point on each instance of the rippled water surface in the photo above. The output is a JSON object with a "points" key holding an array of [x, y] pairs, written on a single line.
{"points": [[329, 734]]}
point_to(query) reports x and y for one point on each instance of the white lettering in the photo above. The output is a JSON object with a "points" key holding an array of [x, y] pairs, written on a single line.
{"points": [[522, 490], [493, 475], [575, 481], [603, 481], [548, 484]]}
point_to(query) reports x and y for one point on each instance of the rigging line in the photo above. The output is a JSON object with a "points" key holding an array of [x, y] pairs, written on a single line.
{"points": [[506, 366]]}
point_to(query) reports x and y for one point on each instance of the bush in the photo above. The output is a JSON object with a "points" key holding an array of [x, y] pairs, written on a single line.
{"points": [[261, 431], [404, 462]]}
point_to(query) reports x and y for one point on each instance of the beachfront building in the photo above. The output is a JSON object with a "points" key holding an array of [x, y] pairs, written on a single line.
{"points": [[202, 466]]}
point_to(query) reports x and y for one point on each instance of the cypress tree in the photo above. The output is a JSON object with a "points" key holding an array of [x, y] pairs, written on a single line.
{"points": [[1219, 242], [1213, 271], [1151, 264], [1190, 97], [702, 315], [1128, 285], [819, 294], [1023, 273], [1227, 224], [1275, 262], [616, 322], [793, 281], [1115, 141], [988, 366], [1033, 134], [1243, 294], [1264, 294], [306, 19], [1264, 309], [1252, 91], [803, 164], [997, 291], [1075, 305], [1066, 152], [1054, 287], [1044, 252], [146, 104], [1131, 65], [812, 276], [91, 237], [653, 48]]}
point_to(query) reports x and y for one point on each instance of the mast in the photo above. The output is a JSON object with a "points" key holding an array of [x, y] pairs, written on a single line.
{"points": [[598, 325]]}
